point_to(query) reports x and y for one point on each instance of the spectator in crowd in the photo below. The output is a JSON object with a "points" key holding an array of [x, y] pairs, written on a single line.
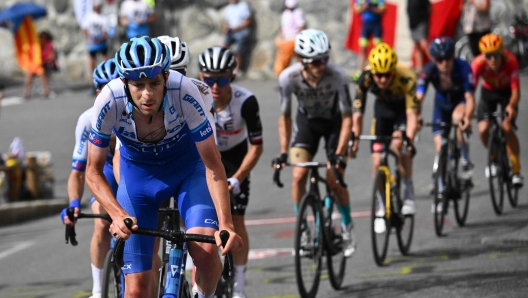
{"points": [[95, 28], [476, 21], [236, 28], [49, 63], [292, 22], [371, 12], [419, 12], [136, 16]]}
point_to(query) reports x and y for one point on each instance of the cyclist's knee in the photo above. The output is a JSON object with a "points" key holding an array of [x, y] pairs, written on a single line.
{"points": [[101, 229], [137, 284], [507, 127]]}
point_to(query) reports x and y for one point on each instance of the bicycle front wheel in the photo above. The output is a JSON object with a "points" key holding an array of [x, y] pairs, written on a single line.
{"points": [[462, 204], [495, 175], [308, 246], [440, 205], [335, 258], [380, 221], [113, 279]]}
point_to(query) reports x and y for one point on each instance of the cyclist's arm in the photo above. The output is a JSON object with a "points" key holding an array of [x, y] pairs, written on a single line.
{"points": [[116, 160], [285, 121], [285, 124], [359, 103], [412, 108], [344, 134], [514, 84], [469, 87], [515, 97], [250, 113], [470, 106]]}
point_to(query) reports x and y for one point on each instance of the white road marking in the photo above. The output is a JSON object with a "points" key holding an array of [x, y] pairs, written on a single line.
{"points": [[11, 101], [18, 247]]}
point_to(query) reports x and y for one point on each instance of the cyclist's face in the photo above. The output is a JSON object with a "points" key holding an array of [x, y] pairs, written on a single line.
{"points": [[220, 84], [383, 80], [444, 65], [147, 93], [494, 60], [317, 68]]}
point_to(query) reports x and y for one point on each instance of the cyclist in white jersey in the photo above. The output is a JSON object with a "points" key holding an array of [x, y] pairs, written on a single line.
{"points": [[167, 151], [324, 111], [100, 243], [237, 123]]}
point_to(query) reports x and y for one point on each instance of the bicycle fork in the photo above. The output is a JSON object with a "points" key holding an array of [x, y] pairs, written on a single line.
{"points": [[388, 179]]}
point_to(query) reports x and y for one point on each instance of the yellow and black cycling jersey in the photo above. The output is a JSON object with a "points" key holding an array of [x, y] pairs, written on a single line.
{"points": [[400, 95]]}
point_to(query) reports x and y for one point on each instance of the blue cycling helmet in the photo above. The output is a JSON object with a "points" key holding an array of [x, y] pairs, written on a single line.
{"points": [[442, 47], [142, 57], [104, 73]]}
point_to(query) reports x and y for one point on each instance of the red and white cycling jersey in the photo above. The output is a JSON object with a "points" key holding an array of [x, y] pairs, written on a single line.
{"points": [[506, 78]]}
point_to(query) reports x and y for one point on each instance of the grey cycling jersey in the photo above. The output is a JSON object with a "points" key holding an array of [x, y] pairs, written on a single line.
{"points": [[329, 97]]}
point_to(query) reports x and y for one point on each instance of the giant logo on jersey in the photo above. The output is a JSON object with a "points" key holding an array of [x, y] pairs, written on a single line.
{"points": [[82, 141], [195, 103], [102, 114]]}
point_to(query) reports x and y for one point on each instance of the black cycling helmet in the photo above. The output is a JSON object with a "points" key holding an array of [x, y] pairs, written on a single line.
{"points": [[217, 59], [442, 47]]}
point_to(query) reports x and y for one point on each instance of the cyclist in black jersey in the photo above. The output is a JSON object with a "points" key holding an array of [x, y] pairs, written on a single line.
{"points": [[237, 123], [395, 113], [321, 89]]}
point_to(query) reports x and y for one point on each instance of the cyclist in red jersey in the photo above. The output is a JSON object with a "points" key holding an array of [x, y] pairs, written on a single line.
{"points": [[499, 70]]}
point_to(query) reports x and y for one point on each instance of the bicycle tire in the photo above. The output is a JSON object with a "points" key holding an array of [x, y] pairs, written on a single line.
{"points": [[380, 241], [335, 258], [462, 204], [497, 199], [224, 288], [510, 189], [113, 279], [514, 199], [404, 223], [308, 255], [439, 198]]}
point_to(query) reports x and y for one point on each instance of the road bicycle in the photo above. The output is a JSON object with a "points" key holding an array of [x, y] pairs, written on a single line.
{"points": [[113, 279], [317, 232], [499, 168], [448, 183], [387, 202], [172, 283]]}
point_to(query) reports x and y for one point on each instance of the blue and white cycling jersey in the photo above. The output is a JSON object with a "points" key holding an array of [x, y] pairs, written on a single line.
{"points": [[80, 151], [184, 117]]}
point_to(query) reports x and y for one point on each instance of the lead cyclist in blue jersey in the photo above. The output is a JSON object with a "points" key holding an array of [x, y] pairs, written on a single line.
{"points": [[168, 150]]}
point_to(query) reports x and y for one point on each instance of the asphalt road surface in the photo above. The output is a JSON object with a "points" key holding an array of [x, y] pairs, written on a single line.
{"points": [[486, 258]]}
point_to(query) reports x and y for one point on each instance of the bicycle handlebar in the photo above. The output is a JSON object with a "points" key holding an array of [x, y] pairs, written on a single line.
{"points": [[309, 164], [70, 234], [384, 139], [176, 236]]}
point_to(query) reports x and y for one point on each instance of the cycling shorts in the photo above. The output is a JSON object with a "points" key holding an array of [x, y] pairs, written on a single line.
{"points": [[308, 132], [443, 112], [489, 100], [142, 189], [386, 120], [108, 171]]}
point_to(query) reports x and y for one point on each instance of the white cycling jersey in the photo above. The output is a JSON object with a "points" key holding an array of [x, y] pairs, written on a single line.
{"points": [[207, 97], [184, 117], [82, 133]]}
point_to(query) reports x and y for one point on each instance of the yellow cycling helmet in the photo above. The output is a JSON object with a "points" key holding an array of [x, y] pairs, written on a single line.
{"points": [[382, 59], [490, 43]]}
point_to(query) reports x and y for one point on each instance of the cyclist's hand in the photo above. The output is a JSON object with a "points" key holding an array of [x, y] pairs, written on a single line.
{"points": [[352, 150], [465, 124], [339, 161], [280, 160], [75, 203], [511, 113], [118, 227], [233, 244], [234, 185]]}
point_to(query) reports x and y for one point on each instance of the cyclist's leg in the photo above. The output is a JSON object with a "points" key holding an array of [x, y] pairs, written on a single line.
{"points": [[512, 142], [198, 211], [240, 258], [486, 106], [305, 141]]}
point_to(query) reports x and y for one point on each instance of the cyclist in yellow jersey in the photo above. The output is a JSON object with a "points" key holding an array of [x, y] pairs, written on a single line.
{"points": [[396, 112]]}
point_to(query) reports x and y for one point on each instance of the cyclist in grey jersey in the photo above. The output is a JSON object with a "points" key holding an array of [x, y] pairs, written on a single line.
{"points": [[324, 111]]}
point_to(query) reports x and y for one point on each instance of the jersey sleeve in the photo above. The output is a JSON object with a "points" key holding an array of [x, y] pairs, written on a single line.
{"points": [[514, 74], [82, 133], [361, 88], [424, 78], [467, 76], [476, 69], [193, 109], [104, 117], [345, 102], [411, 101], [285, 94], [250, 113]]}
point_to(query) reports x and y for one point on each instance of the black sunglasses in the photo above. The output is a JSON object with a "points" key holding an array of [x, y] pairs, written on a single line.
{"points": [[493, 55], [384, 75], [316, 62], [221, 81], [442, 59]]}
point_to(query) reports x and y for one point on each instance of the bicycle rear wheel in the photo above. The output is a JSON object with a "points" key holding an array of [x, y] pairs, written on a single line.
{"points": [[440, 199], [113, 279], [380, 221], [495, 177], [335, 258], [404, 223], [308, 246], [462, 204], [511, 190]]}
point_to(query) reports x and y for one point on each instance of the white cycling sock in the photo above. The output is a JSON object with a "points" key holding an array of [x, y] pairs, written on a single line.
{"points": [[240, 278], [200, 295], [97, 277], [464, 151]]}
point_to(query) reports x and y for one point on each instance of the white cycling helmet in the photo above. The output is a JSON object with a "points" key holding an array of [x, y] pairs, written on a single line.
{"points": [[179, 52], [312, 44], [217, 59]]}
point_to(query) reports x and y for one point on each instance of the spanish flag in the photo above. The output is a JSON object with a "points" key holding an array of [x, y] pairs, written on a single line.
{"points": [[27, 47]]}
